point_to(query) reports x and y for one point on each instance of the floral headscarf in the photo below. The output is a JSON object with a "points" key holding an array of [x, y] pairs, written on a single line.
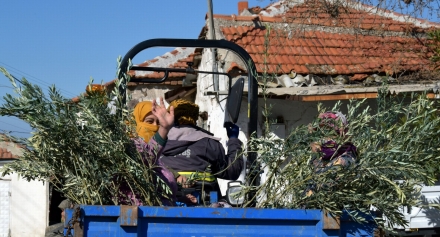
{"points": [[335, 120], [185, 112]]}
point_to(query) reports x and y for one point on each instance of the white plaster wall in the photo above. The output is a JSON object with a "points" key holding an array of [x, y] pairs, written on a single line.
{"points": [[295, 113], [28, 206], [212, 105]]}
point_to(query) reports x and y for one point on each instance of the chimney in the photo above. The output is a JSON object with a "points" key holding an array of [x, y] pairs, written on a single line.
{"points": [[242, 5]]}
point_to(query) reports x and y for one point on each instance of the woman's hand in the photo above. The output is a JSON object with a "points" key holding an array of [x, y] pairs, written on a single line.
{"points": [[183, 180], [165, 118], [315, 147]]}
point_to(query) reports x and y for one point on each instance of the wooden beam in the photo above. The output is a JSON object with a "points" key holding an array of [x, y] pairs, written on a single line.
{"points": [[310, 98], [368, 95], [178, 93]]}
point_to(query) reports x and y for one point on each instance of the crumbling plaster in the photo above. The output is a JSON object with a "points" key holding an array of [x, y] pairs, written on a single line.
{"points": [[148, 92]]}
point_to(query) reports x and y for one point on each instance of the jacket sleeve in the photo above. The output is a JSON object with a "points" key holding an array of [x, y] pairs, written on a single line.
{"points": [[228, 166]]}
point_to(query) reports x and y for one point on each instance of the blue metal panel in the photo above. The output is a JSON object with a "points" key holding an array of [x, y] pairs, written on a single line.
{"points": [[229, 222], [231, 213], [210, 222], [102, 210], [68, 213]]}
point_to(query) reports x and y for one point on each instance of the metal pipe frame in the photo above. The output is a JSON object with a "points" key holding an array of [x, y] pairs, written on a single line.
{"points": [[197, 43]]}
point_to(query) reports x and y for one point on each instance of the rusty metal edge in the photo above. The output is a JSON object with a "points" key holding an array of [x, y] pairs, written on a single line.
{"points": [[78, 230], [128, 216], [330, 222]]}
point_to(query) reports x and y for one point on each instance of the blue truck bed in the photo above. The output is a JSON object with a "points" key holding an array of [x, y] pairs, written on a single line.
{"points": [[211, 222]]}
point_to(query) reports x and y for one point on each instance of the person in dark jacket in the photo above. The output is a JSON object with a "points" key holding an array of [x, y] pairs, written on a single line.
{"points": [[191, 148]]}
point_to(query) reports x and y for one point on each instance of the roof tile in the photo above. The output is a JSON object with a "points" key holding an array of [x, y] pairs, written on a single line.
{"points": [[285, 68], [300, 60], [307, 60], [327, 60], [303, 69], [308, 51], [335, 51], [321, 61], [317, 43], [315, 60], [339, 69], [323, 51], [314, 51]]}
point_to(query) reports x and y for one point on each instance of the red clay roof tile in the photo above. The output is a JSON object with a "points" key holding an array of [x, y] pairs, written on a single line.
{"points": [[327, 60], [359, 77], [314, 51], [303, 69], [321, 61], [285, 68], [5, 154], [321, 51]]}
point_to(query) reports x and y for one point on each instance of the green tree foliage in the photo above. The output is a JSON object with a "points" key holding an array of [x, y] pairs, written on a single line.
{"points": [[82, 148], [398, 151]]}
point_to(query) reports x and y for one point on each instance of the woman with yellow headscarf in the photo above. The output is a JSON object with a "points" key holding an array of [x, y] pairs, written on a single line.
{"points": [[147, 123], [153, 123]]}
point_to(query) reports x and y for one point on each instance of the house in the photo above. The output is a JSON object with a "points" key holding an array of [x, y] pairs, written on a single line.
{"points": [[23, 205], [326, 57], [315, 51]]}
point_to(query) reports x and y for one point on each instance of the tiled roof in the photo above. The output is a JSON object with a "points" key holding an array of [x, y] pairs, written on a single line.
{"points": [[178, 58], [309, 39], [8, 149], [318, 52], [346, 14], [5, 154], [353, 40]]}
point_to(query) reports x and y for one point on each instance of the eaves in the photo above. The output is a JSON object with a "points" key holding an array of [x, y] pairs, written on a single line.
{"points": [[340, 92]]}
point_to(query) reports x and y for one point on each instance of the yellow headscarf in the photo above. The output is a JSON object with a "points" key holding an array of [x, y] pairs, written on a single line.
{"points": [[144, 130], [185, 112]]}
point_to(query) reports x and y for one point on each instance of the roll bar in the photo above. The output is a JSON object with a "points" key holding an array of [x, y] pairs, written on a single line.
{"points": [[197, 43]]}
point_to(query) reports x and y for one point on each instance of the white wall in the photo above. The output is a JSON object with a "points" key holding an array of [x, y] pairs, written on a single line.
{"points": [[28, 201], [28, 206]]}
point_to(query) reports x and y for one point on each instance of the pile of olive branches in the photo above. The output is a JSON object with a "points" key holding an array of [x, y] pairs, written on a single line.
{"points": [[398, 151], [82, 148]]}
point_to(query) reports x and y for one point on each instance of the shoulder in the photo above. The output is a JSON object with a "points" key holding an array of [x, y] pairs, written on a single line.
{"points": [[192, 128], [142, 145], [233, 141]]}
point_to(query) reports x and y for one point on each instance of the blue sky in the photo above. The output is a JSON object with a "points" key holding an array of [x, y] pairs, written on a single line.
{"points": [[67, 42]]}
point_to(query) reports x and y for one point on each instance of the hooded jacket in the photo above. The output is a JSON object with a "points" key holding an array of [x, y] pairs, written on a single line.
{"points": [[190, 148]]}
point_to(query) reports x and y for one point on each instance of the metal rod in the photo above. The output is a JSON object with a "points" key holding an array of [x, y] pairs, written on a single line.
{"points": [[224, 44], [214, 50], [167, 70]]}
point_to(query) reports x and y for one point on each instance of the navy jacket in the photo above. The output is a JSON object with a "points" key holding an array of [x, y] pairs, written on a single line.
{"points": [[190, 148]]}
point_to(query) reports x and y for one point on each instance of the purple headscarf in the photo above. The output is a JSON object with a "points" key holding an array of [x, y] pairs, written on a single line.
{"points": [[331, 149]]}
